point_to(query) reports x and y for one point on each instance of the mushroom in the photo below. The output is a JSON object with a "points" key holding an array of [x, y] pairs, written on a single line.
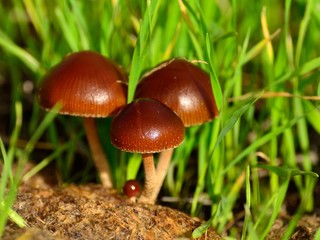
{"points": [[131, 188], [87, 85], [186, 89], [147, 126]]}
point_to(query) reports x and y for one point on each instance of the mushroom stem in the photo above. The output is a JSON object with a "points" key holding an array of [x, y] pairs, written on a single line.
{"points": [[162, 169], [148, 195], [99, 157]]}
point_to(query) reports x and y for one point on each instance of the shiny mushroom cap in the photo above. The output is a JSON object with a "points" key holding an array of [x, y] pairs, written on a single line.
{"points": [[146, 126], [183, 87], [86, 84], [131, 188]]}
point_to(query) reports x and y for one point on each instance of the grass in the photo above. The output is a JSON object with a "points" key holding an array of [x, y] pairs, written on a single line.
{"points": [[8, 178], [263, 59]]}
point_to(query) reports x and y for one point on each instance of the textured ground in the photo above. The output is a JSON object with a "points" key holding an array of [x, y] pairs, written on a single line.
{"points": [[93, 212]]}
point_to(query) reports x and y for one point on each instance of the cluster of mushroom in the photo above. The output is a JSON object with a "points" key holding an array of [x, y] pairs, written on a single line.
{"points": [[174, 95]]}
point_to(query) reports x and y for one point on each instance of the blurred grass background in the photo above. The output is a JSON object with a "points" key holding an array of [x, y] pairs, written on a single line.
{"points": [[263, 58]]}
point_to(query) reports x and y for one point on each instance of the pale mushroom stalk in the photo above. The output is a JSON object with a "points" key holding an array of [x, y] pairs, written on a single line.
{"points": [[149, 194], [99, 157], [162, 168]]}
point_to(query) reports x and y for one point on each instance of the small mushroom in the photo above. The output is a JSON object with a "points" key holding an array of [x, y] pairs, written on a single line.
{"points": [[147, 126], [131, 188], [87, 85], [186, 89]]}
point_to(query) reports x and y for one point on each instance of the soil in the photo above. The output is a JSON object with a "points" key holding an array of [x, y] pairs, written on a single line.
{"points": [[93, 212], [305, 229]]}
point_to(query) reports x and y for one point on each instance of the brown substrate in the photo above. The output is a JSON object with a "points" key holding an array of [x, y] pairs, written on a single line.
{"points": [[305, 229], [93, 212]]}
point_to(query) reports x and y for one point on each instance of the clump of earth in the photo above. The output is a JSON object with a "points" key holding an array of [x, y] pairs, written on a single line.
{"points": [[94, 212], [91, 211]]}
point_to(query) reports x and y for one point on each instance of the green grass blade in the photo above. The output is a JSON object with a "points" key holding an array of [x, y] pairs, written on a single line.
{"points": [[302, 31], [19, 52], [7, 180], [216, 88], [139, 53], [284, 171], [14, 216], [317, 235], [8, 157], [41, 128], [81, 24], [45, 162], [199, 231], [232, 120], [133, 166], [280, 196], [264, 139], [67, 26]]}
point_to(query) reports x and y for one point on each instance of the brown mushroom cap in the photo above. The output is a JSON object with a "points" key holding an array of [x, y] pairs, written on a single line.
{"points": [[86, 83], [183, 87], [131, 188], [146, 126]]}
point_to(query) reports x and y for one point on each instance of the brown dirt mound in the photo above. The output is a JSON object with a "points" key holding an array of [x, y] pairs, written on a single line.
{"points": [[93, 212]]}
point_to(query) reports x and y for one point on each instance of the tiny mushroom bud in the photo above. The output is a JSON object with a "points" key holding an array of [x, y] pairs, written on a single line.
{"points": [[90, 86], [147, 126], [186, 89], [131, 188]]}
